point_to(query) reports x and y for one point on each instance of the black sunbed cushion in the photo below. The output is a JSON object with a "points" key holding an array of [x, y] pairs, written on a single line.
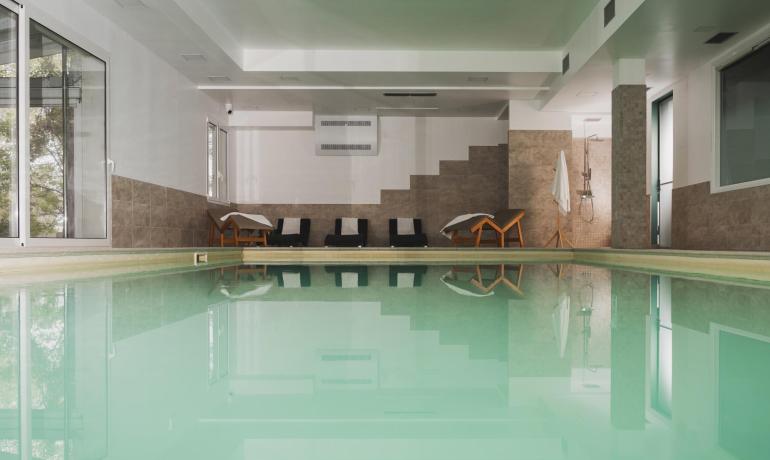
{"points": [[419, 239]]}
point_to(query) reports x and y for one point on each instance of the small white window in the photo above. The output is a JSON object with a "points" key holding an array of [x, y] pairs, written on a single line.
{"points": [[216, 146]]}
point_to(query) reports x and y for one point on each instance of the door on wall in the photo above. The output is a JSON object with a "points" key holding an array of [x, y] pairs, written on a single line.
{"points": [[664, 184]]}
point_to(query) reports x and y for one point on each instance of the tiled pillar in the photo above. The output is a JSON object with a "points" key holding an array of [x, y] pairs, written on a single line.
{"points": [[630, 202]]}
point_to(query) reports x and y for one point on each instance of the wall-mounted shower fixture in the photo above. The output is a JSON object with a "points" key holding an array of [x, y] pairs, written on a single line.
{"points": [[586, 194]]}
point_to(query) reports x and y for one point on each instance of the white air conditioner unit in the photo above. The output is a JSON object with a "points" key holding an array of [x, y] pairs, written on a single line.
{"points": [[346, 135]]}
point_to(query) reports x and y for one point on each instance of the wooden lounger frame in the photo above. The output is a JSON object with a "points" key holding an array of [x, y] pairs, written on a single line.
{"points": [[238, 237], [501, 277], [502, 232]]}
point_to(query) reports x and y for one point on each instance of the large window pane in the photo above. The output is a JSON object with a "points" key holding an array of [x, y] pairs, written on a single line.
{"points": [[211, 148], [68, 187], [745, 119], [9, 146], [222, 165]]}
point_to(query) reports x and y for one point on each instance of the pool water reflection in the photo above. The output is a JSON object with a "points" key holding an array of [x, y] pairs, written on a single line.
{"points": [[386, 362]]}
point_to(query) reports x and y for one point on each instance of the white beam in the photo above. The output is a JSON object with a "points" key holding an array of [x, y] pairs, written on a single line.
{"points": [[265, 60]]}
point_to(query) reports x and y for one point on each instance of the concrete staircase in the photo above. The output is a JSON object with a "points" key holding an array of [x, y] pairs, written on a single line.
{"points": [[478, 184]]}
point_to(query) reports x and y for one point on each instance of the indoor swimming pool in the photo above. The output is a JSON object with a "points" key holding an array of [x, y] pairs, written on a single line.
{"points": [[406, 362]]}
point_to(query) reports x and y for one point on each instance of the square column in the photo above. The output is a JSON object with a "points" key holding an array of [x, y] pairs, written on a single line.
{"points": [[630, 202]]}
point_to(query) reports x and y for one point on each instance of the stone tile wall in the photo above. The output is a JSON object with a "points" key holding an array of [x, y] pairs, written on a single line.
{"points": [[479, 184], [532, 157], [630, 203], [146, 215], [587, 233], [737, 221]]}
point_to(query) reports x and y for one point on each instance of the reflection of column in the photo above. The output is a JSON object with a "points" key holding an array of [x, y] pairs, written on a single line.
{"points": [[630, 303]]}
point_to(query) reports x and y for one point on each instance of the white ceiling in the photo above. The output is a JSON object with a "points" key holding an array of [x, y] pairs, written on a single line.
{"points": [[400, 24], [522, 32]]}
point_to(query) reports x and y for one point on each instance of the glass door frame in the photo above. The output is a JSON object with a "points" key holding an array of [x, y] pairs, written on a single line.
{"points": [[26, 13], [655, 186], [21, 141]]}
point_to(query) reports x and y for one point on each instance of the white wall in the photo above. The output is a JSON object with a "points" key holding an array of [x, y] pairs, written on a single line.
{"points": [[280, 165], [157, 116]]}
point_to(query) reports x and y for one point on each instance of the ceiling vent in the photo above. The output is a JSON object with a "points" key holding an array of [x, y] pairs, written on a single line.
{"points": [[339, 135], [400, 94], [219, 78], [720, 38], [130, 4], [565, 65], [609, 12], [478, 79], [193, 57]]}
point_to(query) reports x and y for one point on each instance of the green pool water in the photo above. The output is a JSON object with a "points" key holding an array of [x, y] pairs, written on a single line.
{"points": [[385, 362]]}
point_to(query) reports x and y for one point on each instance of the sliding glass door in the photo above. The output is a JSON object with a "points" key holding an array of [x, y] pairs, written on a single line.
{"points": [[67, 139], [9, 126]]}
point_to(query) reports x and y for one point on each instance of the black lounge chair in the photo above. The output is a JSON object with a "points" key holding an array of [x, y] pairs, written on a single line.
{"points": [[348, 241], [280, 272], [361, 271], [416, 240], [277, 238], [417, 270]]}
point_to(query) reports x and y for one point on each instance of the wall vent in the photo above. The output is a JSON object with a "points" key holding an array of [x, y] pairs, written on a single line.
{"points": [[565, 65], [720, 38], [609, 12], [346, 135]]}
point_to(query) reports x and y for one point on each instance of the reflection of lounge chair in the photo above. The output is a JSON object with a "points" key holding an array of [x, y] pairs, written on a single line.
{"points": [[462, 287], [290, 276], [406, 276], [502, 222], [280, 238], [240, 229], [349, 276], [410, 237], [488, 280]]}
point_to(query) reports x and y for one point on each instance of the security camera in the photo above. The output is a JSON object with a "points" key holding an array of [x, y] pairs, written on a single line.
{"points": [[229, 108]]}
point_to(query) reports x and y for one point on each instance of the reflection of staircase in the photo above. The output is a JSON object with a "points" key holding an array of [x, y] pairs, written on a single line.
{"points": [[481, 325], [478, 184]]}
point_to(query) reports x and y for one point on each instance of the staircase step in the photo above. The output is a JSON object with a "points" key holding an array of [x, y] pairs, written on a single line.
{"points": [[424, 181], [453, 167]]}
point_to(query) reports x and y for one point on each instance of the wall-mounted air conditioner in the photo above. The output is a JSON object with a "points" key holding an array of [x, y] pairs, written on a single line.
{"points": [[346, 135]]}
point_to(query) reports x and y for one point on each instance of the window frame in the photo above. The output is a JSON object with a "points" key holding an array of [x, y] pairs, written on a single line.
{"points": [[29, 13], [219, 128], [738, 53], [21, 111]]}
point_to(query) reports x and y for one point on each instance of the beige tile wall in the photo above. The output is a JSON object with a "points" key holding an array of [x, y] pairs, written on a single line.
{"points": [[531, 169], [737, 221], [146, 215]]}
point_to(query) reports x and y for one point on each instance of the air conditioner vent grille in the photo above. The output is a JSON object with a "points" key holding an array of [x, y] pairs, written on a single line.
{"points": [[346, 147], [346, 123]]}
